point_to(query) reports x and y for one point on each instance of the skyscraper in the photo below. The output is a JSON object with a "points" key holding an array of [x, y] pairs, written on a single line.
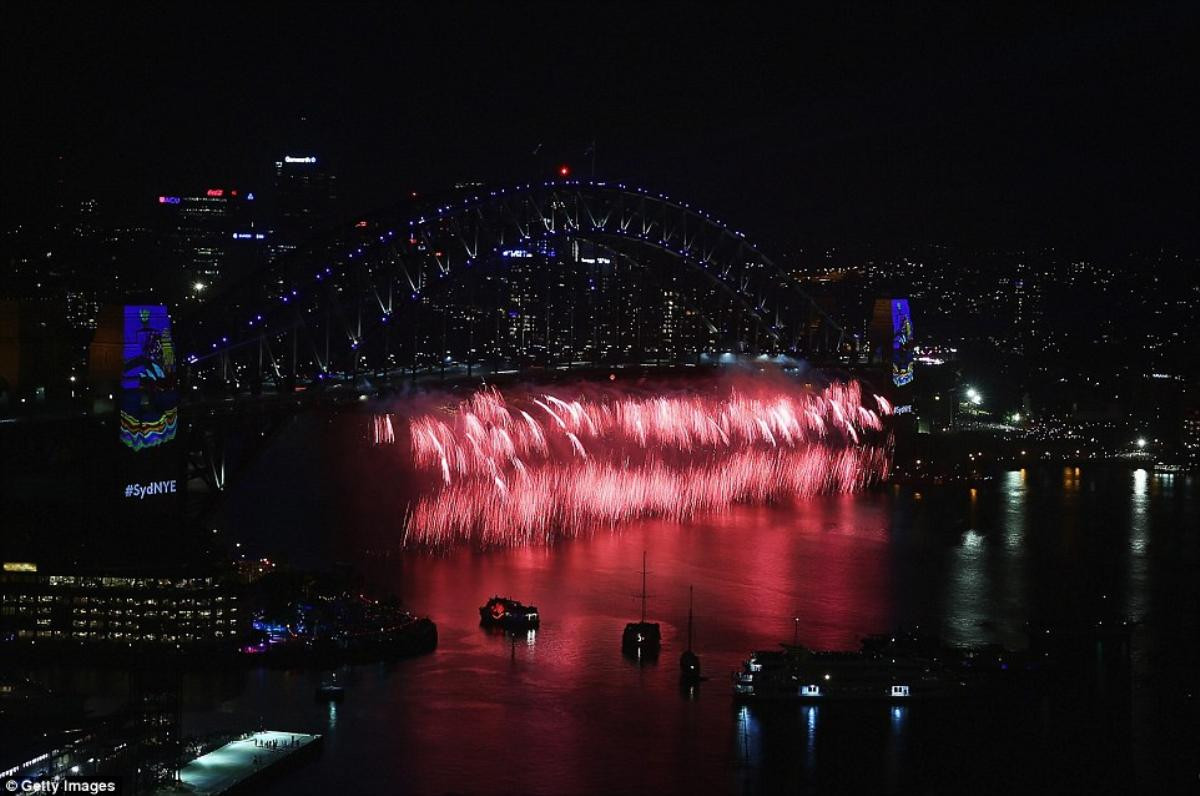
{"points": [[304, 196], [211, 235]]}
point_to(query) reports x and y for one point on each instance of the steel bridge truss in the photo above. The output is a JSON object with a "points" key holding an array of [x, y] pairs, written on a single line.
{"points": [[539, 275]]}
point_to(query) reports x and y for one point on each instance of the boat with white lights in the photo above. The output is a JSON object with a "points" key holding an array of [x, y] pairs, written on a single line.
{"points": [[898, 668], [509, 614], [331, 690]]}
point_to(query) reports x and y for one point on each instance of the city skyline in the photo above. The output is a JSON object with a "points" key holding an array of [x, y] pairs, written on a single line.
{"points": [[829, 147]]}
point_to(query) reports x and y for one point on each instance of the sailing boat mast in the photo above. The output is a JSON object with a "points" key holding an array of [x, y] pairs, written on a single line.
{"points": [[689, 646], [643, 586], [641, 638], [689, 662]]}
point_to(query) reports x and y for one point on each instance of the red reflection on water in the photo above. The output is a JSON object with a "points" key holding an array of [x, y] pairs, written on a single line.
{"points": [[566, 696]]}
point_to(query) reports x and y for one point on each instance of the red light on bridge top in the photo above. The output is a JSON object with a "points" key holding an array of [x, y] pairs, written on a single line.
{"points": [[564, 170]]}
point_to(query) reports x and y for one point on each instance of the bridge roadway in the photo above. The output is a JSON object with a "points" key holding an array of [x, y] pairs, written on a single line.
{"points": [[344, 391]]}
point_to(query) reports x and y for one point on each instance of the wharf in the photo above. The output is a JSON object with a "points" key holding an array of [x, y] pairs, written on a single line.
{"points": [[237, 764]]}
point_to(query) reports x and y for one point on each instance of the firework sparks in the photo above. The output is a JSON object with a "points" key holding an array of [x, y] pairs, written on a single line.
{"points": [[530, 467], [382, 431]]}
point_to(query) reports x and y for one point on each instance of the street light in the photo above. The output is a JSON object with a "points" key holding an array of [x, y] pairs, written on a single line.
{"points": [[1141, 442]]}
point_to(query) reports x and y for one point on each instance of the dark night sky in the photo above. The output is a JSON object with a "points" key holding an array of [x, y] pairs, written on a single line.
{"points": [[874, 125]]}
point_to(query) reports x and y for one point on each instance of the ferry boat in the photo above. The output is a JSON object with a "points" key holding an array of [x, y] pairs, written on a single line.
{"points": [[509, 614], [897, 668], [642, 639]]}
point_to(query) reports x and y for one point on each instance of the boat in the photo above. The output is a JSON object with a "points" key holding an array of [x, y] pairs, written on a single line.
{"points": [[509, 614], [642, 639], [897, 668], [330, 690], [689, 662]]}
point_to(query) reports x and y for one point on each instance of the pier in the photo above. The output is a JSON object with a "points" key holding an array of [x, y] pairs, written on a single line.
{"points": [[235, 765]]}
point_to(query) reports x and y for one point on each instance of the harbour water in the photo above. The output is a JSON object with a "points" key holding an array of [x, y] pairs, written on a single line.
{"points": [[561, 711]]}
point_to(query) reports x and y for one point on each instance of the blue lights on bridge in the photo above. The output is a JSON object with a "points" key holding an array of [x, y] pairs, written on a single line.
{"points": [[727, 268]]}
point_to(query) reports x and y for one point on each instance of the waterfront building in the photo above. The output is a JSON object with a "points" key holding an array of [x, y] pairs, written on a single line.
{"points": [[111, 610]]}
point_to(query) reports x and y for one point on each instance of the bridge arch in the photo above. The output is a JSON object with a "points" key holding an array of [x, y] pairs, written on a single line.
{"points": [[545, 274]]}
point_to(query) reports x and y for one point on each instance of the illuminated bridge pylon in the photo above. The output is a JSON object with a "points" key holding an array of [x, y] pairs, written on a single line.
{"points": [[553, 274]]}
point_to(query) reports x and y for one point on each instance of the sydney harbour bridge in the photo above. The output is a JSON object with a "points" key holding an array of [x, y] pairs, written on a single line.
{"points": [[559, 274], [514, 283]]}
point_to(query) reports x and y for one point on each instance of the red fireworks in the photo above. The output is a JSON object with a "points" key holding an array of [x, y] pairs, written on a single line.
{"points": [[530, 467]]}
